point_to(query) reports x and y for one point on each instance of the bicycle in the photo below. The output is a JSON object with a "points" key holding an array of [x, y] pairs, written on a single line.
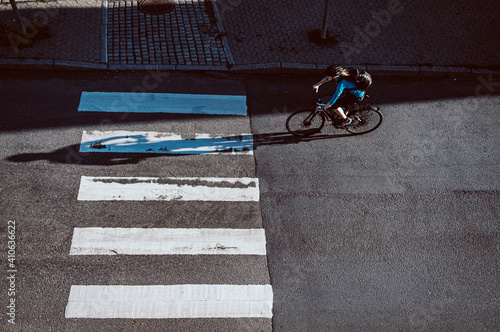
{"points": [[365, 118]]}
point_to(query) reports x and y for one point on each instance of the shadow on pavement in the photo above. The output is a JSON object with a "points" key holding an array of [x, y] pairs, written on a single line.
{"points": [[72, 155], [50, 100]]}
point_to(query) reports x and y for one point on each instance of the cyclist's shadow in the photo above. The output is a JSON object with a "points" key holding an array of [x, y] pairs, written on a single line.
{"points": [[71, 154], [284, 138]]}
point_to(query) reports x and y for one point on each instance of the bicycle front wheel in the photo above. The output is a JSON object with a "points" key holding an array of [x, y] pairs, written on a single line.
{"points": [[305, 123], [364, 121]]}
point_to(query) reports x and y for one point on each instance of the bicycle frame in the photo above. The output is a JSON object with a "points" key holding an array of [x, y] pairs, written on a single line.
{"points": [[347, 109], [305, 122]]}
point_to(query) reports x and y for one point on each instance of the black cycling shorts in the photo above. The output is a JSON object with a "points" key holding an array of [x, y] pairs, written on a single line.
{"points": [[347, 99]]}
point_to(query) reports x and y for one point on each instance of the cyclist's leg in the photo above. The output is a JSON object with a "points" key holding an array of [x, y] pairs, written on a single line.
{"points": [[340, 112], [344, 100], [347, 100]]}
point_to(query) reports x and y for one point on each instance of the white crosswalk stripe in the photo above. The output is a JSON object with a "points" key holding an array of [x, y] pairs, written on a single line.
{"points": [[170, 301], [208, 299], [167, 241], [164, 143], [168, 189]]}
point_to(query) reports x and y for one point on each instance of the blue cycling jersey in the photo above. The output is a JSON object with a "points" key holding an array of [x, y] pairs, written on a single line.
{"points": [[345, 84]]}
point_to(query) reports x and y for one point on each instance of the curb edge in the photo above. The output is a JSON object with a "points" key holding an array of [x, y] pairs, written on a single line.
{"points": [[271, 67]]}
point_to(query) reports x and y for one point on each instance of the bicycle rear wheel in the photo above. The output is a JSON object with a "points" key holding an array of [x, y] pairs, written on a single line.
{"points": [[305, 123], [364, 121]]}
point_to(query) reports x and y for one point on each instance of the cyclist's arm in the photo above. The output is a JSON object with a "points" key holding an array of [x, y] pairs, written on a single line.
{"points": [[336, 95], [323, 81]]}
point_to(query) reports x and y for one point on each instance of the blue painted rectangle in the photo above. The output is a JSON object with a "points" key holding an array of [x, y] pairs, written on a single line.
{"points": [[136, 102]]}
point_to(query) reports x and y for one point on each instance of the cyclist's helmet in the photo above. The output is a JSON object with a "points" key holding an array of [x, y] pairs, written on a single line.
{"points": [[333, 70]]}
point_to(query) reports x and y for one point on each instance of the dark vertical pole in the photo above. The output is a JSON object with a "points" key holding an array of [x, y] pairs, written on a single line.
{"points": [[18, 17], [325, 20]]}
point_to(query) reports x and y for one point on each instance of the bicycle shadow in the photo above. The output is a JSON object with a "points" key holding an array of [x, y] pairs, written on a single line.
{"points": [[285, 138], [72, 154]]}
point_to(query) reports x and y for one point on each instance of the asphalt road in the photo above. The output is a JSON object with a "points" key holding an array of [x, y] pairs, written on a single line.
{"points": [[394, 230], [41, 169]]}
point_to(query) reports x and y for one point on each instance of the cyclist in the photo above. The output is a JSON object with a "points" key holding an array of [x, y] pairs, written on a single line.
{"points": [[346, 92]]}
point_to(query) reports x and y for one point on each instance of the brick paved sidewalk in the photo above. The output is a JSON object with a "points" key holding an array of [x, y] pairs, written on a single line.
{"points": [[75, 26], [378, 32], [186, 36], [117, 33], [458, 33]]}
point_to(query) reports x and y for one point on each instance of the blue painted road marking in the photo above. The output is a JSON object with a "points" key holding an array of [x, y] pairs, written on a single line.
{"points": [[133, 102]]}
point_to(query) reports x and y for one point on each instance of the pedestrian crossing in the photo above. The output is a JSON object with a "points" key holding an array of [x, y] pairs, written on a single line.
{"points": [[210, 299]]}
